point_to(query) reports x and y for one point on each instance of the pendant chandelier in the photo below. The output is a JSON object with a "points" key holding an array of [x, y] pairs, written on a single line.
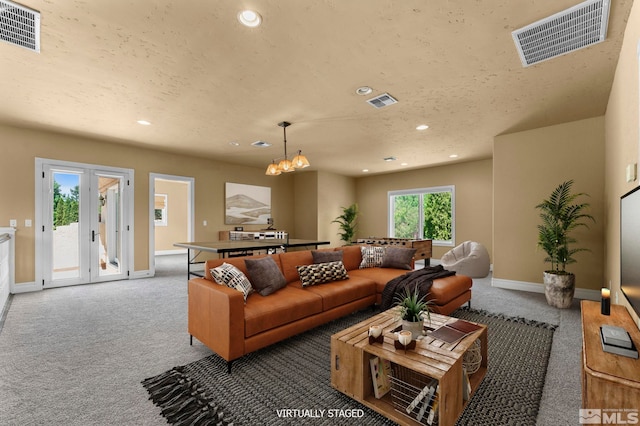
{"points": [[285, 165]]}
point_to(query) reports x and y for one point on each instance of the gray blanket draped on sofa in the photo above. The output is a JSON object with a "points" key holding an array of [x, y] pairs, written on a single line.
{"points": [[423, 278]]}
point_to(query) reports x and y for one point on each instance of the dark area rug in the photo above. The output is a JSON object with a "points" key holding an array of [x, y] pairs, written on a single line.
{"points": [[295, 375]]}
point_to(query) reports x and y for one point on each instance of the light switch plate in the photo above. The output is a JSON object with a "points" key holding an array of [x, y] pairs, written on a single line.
{"points": [[13, 223], [632, 171]]}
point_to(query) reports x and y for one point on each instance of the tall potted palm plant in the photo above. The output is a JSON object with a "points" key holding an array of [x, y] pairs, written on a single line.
{"points": [[560, 216], [347, 221]]}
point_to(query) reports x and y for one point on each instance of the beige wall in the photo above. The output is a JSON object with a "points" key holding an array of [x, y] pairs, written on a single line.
{"points": [[305, 205], [319, 198], [17, 192], [334, 193], [473, 187], [621, 129], [527, 167], [176, 229]]}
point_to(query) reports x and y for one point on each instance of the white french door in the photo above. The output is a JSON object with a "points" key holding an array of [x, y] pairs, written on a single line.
{"points": [[85, 223]]}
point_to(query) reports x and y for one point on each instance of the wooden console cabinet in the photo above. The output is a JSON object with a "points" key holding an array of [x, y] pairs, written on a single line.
{"points": [[609, 381]]}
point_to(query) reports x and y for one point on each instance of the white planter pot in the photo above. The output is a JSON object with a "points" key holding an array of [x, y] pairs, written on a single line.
{"points": [[414, 327], [559, 289]]}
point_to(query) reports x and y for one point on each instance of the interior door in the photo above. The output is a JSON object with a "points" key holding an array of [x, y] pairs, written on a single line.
{"points": [[84, 225]]}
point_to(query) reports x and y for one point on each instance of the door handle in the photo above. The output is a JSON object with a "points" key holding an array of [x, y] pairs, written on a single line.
{"points": [[93, 236]]}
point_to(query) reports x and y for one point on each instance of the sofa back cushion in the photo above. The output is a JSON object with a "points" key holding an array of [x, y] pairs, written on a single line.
{"points": [[326, 255], [291, 260], [351, 257]]}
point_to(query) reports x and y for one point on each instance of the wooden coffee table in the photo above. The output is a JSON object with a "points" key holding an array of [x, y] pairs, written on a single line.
{"points": [[431, 359]]}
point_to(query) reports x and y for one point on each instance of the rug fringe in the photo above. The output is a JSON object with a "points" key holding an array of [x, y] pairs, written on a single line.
{"points": [[182, 401], [519, 320]]}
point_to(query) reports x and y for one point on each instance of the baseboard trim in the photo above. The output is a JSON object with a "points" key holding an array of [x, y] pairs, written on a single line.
{"points": [[170, 252], [25, 287], [583, 293], [580, 293], [135, 275], [517, 285], [5, 310]]}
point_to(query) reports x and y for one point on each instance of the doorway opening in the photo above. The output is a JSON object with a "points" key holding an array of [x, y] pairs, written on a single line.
{"points": [[171, 218]]}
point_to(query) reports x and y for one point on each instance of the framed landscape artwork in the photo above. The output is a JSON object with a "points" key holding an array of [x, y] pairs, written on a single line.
{"points": [[247, 204]]}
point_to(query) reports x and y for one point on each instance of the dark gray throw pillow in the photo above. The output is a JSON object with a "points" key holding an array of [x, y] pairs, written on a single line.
{"points": [[326, 256], [265, 276], [398, 257]]}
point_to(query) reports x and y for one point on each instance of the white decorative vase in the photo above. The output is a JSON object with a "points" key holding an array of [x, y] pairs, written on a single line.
{"points": [[415, 327]]}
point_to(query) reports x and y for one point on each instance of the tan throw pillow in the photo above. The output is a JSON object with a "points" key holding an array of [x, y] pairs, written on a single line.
{"points": [[232, 277], [319, 273], [265, 276], [398, 257], [371, 256]]}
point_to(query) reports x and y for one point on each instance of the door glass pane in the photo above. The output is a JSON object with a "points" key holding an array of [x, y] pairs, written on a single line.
{"points": [[65, 234], [406, 214], [109, 234]]}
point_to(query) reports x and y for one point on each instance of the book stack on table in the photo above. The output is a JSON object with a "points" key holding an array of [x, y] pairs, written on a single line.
{"points": [[616, 340]]}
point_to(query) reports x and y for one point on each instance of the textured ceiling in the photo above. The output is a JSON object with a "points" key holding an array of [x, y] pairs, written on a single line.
{"points": [[203, 80]]}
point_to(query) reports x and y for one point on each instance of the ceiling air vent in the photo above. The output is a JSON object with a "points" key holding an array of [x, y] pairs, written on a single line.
{"points": [[382, 101], [572, 29], [261, 144], [19, 25]]}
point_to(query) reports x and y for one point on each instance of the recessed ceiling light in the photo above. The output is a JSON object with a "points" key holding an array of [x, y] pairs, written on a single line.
{"points": [[404, 164], [364, 90], [389, 159], [249, 18], [234, 143], [422, 127], [365, 170], [453, 156], [261, 144], [144, 122]]}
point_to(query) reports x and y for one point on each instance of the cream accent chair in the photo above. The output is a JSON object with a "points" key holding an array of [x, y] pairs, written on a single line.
{"points": [[469, 258]]}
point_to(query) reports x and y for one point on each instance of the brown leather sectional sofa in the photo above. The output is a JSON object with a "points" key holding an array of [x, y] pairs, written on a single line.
{"points": [[221, 320]]}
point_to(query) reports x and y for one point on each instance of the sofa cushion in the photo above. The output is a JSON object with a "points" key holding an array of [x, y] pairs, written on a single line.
{"points": [[446, 289], [319, 273], [380, 276], [371, 256], [351, 256], [288, 305], [398, 257], [232, 277], [339, 293], [323, 256], [265, 276], [290, 262]]}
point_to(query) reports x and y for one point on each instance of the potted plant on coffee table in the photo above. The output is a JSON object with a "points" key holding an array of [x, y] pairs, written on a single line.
{"points": [[412, 308], [560, 215]]}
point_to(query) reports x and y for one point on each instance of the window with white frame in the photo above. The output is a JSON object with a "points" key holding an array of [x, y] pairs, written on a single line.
{"points": [[160, 209], [424, 213]]}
